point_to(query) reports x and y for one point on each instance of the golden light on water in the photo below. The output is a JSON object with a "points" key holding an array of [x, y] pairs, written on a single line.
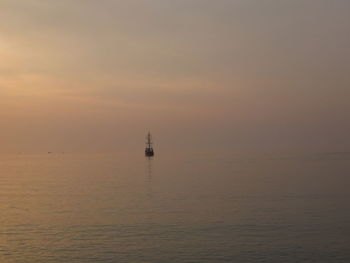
{"points": [[248, 105]]}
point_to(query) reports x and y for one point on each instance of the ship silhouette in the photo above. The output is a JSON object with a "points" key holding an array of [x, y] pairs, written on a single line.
{"points": [[149, 149]]}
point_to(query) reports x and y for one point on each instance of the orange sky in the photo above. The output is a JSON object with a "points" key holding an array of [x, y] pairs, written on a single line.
{"points": [[244, 75]]}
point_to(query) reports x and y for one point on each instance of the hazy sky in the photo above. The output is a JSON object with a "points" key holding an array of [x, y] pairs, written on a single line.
{"points": [[238, 75]]}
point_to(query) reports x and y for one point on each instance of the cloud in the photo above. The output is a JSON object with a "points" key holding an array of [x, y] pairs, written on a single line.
{"points": [[215, 67]]}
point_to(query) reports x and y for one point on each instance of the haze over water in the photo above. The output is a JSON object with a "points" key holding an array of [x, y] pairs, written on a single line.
{"points": [[229, 89], [112, 208]]}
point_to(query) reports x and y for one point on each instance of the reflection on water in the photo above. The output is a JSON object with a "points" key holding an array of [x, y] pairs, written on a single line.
{"points": [[149, 161], [110, 208]]}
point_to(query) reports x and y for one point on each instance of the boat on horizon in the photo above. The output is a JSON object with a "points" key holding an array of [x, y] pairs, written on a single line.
{"points": [[149, 149]]}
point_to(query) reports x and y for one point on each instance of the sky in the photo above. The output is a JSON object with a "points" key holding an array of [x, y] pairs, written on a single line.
{"points": [[202, 75]]}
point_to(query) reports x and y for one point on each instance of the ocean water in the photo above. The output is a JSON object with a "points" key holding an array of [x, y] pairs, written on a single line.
{"points": [[114, 208]]}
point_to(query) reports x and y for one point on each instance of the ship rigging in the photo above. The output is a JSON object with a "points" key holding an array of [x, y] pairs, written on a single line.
{"points": [[149, 149]]}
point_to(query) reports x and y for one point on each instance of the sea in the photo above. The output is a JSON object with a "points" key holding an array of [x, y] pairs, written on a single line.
{"points": [[96, 207]]}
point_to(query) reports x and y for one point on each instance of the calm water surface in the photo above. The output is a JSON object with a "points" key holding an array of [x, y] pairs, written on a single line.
{"points": [[112, 208]]}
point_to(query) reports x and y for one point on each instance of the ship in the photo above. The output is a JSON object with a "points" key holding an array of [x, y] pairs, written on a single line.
{"points": [[149, 149]]}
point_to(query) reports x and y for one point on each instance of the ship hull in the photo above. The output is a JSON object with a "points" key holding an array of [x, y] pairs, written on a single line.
{"points": [[149, 152], [149, 149]]}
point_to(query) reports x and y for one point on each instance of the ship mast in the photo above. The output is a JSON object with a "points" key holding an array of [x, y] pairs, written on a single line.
{"points": [[149, 149], [149, 140]]}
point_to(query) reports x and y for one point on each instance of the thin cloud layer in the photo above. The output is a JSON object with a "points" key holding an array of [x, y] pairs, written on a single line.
{"points": [[258, 75]]}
